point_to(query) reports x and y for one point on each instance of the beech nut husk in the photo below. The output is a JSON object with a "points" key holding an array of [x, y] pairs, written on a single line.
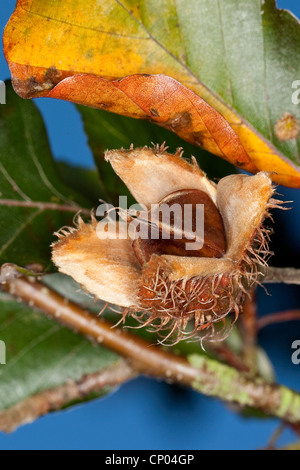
{"points": [[178, 293]]}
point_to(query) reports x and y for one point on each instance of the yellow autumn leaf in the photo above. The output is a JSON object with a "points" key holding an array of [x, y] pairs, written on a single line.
{"points": [[223, 55]]}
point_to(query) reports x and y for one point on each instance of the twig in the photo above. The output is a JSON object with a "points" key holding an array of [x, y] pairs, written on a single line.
{"points": [[275, 436], [44, 206], [197, 371], [249, 319], [278, 317], [55, 398], [143, 356], [284, 275], [226, 354], [249, 332]]}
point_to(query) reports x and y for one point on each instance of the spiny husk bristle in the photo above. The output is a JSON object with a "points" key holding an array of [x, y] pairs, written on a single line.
{"points": [[258, 253], [187, 309], [195, 304], [199, 308], [78, 222], [256, 256]]}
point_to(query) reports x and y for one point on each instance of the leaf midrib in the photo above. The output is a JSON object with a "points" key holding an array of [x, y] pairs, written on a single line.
{"points": [[37, 164], [193, 75], [20, 230]]}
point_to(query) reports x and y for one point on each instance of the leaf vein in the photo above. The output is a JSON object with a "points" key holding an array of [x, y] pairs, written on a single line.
{"points": [[159, 43], [265, 74], [38, 165], [110, 33], [13, 183], [50, 373], [31, 345], [225, 53], [180, 31], [19, 230], [43, 205], [9, 322]]}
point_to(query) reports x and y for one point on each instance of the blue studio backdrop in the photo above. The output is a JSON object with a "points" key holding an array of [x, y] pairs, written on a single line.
{"points": [[144, 413]]}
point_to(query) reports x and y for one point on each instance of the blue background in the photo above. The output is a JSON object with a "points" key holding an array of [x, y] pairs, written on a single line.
{"points": [[146, 414]]}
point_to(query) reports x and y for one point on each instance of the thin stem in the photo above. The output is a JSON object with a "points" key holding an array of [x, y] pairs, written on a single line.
{"points": [[228, 355], [197, 371], [275, 436], [248, 329], [278, 317], [43, 205], [144, 356], [284, 275]]}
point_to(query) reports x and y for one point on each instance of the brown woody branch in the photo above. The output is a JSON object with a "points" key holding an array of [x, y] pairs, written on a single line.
{"points": [[198, 371], [54, 399], [143, 356], [281, 275]]}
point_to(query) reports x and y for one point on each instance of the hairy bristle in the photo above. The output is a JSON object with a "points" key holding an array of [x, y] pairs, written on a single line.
{"points": [[257, 254], [203, 307], [186, 309]]}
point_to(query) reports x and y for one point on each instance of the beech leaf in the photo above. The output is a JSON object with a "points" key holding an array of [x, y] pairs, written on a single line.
{"points": [[41, 354], [34, 202], [204, 57]]}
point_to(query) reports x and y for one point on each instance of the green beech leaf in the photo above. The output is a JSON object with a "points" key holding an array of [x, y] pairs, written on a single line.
{"points": [[28, 176], [242, 58], [112, 131], [41, 354]]}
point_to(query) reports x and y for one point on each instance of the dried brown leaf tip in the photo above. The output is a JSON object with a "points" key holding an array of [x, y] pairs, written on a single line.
{"points": [[192, 282]]}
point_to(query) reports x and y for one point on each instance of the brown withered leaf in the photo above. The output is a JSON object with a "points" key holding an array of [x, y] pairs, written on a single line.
{"points": [[162, 100]]}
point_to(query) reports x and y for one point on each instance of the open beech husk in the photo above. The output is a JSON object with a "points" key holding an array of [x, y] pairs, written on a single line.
{"points": [[178, 293]]}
